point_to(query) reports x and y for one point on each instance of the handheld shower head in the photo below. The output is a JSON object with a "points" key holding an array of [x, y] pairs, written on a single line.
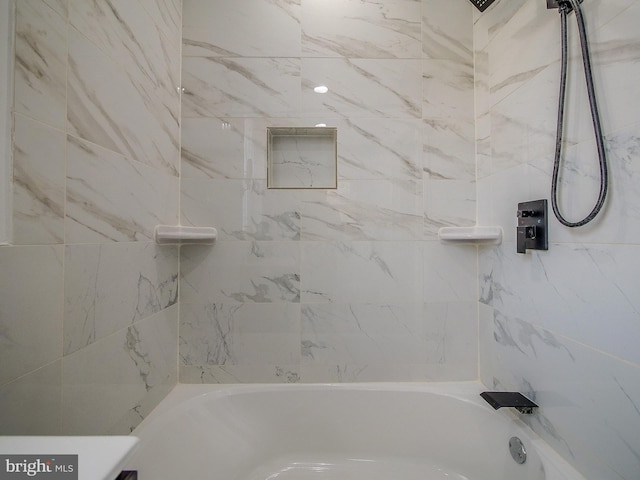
{"points": [[482, 5]]}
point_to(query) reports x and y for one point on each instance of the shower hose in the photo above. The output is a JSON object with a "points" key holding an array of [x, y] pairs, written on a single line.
{"points": [[565, 7]]}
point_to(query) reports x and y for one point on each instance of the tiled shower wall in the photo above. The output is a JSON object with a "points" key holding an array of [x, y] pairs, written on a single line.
{"points": [[563, 325], [88, 302], [323, 285]]}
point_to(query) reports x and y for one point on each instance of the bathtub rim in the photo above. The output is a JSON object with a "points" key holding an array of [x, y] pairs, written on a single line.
{"points": [[468, 392]]}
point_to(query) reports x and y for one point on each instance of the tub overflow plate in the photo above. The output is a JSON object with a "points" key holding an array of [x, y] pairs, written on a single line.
{"points": [[518, 452]]}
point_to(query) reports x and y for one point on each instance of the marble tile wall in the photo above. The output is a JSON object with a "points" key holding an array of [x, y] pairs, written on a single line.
{"points": [[562, 325], [88, 303], [325, 285]]}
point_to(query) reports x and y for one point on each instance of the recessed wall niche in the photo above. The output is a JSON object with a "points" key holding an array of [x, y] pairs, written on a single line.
{"points": [[302, 157]]}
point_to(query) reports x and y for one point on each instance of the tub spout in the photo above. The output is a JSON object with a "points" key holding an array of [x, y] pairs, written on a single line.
{"points": [[509, 399]]}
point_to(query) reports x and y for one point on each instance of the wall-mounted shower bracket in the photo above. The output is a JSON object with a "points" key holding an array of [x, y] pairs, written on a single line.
{"points": [[556, 4], [510, 399]]}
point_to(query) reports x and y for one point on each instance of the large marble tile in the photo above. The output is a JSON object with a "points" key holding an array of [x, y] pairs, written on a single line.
{"points": [[241, 209], [116, 109], [376, 148], [448, 203], [30, 331], [38, 183], [111, 385], [615, 62], [361, 272], [361, 29], [449, 272], [239, 334], [111, 286], [446, 30], [361, 334], [499, 195], [240, 87], [41, 60], [254, 28], [589, 405], [31, 405], [451, 333], [378, 372], [364, 210], [532, 24], [448, 148], [523, 125], [167, 17], [240, 374], [232, 148], [241, 271], [447, 89], [362, 88], [112, 198], [570, 289], [368, 148], [131, 36]]}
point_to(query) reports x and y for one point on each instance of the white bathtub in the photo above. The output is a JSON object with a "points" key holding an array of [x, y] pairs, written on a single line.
{"points": [[386, 431]]}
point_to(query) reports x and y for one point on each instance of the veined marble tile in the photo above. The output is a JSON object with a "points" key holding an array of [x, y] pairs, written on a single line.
{"points": [[334, 334], [30, 331], [499, 194], [241, 209], [223, 148], [240, 374], [589, 406], [378, 372], [240, 334], [41, 60], [38, 183], [131, 36], [166, 16], [448, 203], [362, 88], [615, 61], [31, 405], [372, 318], [523, 125], [361, 272], [447, 89], [361, 28], [449, 273], [448, 149], [255, 28], [364, 210], [570, 289], [112, 198], [111, 385], [531, 25], [489, 23], [484, 161], [240, 87], [451, 333], [446, 30], [485, 206], [110, 107], [253, 272], [486, 358], [377, 148], [111, 286]]}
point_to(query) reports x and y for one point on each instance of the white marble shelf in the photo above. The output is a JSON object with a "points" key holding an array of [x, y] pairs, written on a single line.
{"points": [[181, 235], [471, 235]]}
